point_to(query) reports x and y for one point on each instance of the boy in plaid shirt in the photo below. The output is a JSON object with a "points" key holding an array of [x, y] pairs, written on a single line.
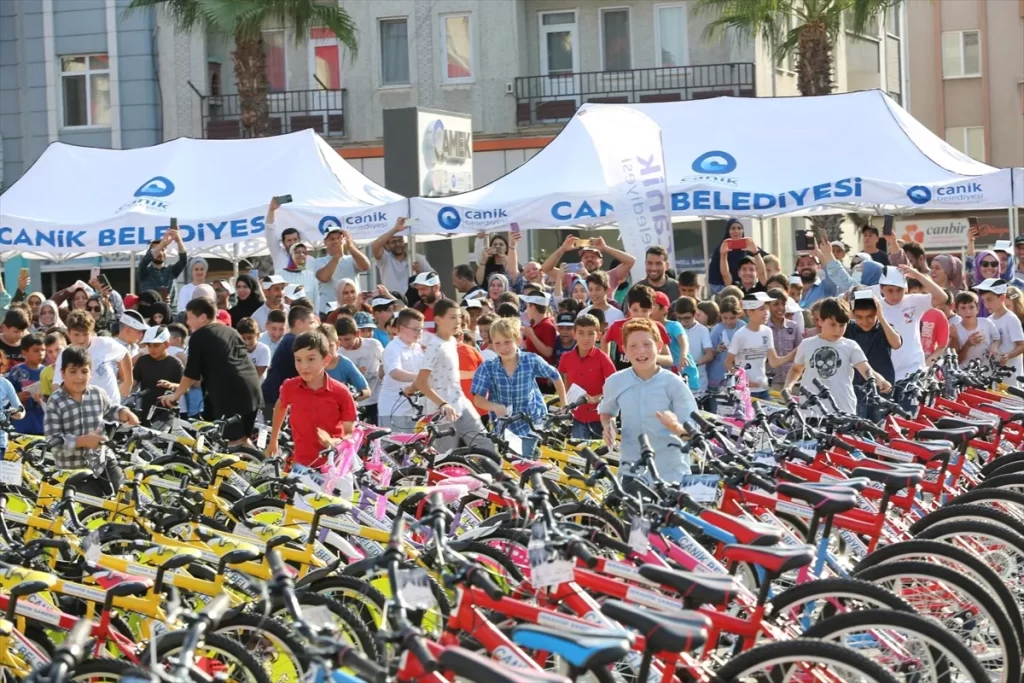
{"points": [[74, 417]]}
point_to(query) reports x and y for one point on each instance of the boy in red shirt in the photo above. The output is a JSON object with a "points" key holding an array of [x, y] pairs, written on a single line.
{"points": [[322, 409], [587, 367], [539, 336], [639, 304]]}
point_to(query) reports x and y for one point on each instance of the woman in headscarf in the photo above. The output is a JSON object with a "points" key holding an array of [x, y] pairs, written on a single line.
{"points": [[249, 298], [491, 260], [49, 316], [197, 270], [733, 231], [159, 314], [497, 284], [986, 265], [34, 301], [347, 291], [948, 271]]}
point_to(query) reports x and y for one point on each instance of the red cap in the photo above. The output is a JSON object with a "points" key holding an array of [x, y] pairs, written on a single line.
{"points": [[661, 298], [130, 300], [223, 316]]}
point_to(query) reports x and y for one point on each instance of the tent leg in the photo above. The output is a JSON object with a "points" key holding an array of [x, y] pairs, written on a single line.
{"points": [[131, 273], [234, 261], [1014, 228], [412, 252], [704, 241]]}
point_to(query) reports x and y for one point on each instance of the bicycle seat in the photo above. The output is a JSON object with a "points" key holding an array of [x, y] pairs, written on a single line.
{"points": [[747, 533], [699, 588], [478, 669], [894, 479], [111, 581], [923, 450], [773, 560], [664, 632], [984, 428], [825, 501], [584, 651], [958, 436], [856, 484]]}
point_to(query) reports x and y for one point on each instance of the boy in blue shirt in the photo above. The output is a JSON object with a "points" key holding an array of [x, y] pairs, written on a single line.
{"points": [[721, 336], [8, 400], [24, 375], [341, 368]]}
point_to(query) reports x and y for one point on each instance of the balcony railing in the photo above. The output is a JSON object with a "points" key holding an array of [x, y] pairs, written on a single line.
{"points": [[551, 99], [290, 111]]}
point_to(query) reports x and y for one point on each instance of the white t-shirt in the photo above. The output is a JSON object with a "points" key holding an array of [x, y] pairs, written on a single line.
{"points": [[751, 351], [269, 343], [1010, 332], [905, 318], [988, 331], [398, 356], [261, 313], [832, 364], [306, 278], [442, 359], [368, 359], [346, 268], [260, 355], [184, 296], [394, 274], [105, 353], [699, 338], [610, 316]]}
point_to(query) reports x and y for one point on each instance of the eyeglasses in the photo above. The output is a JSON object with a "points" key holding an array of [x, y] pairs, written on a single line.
{"points": [[990, 264], [92, 309], [413, 329]]}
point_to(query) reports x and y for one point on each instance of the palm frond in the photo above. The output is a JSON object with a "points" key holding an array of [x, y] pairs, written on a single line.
{"points": [[862, 12], [750, 19], [219, 15]]}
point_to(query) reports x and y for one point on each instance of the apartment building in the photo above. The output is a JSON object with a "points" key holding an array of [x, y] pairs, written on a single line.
{"points": [[82, 72]]}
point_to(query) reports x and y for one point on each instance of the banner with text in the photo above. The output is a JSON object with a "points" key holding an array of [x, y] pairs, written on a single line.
{"points": [[935, 234], [632, 160]]}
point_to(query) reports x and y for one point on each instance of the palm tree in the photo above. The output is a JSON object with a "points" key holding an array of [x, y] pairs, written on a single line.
{"points": [[245, 19], [806, 29]]}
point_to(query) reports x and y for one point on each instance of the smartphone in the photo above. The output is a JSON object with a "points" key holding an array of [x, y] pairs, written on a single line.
{"points": [[174, 223], [573, 267], [737, 244], [24, 273], [284, 199], [514, 228], [803, 239], [972, 225], [94, 273], [580, 243], [887, 225], [105, 282], [411, 221]]}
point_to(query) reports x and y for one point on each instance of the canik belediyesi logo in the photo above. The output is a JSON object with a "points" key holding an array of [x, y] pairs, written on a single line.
{"points": [[157, 186], [919, 194], [448, 218], [328, 222], [716, 161]]}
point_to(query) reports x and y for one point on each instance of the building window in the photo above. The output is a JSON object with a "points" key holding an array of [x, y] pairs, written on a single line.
{"points": [[892, 21], [273, 53], [325, 59], [615, 40], [85, 83], [394, 52], [961, 54], [457, 43], [896, 97], [670, 35], [970, 140]]}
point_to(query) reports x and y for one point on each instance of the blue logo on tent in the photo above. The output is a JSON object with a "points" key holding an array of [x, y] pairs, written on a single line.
{"points": [[448, 218], [715, 161], [155, 187], [327, 222], [919, 194]]}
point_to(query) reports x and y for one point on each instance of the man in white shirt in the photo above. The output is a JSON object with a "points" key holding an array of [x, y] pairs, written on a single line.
{"points": [[393, 265], [403, 357], [993, 293], [754, 344], [111, 364], [130, 329], [337, 264], [904, 312], [273, 294], [299, 274], [279, 244]]}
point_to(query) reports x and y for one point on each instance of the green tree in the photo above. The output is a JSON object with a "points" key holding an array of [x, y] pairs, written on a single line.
{"points": [[244, 20], [807, 30]]}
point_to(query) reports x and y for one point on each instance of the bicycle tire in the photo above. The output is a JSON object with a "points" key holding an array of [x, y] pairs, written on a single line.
{"points": [[167, 643], [237, 626], [919, 547], [583, 508], [1012, 467], [1001, 461], [353, 624], [905, 621], [1006, 482], [966, 511], [978, 596], [362, 598], [88, 670], [834, 588], [804, 650], [480, 548], [1012, 500]]}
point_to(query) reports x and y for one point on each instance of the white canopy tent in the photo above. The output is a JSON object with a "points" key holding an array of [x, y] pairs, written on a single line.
{"points": [[83, 201], [754, 157]]}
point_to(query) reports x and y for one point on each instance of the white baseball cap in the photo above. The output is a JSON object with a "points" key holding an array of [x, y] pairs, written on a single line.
{"points": [[381, 301], [1005, 246], [427, 279], [294, 291], [993, 284], [792, 306], [271, 280], [156, 335], [134, 320], [863, 294], [756, 300], [536, 299], [893, 277], [472, 303], [795, 279]]}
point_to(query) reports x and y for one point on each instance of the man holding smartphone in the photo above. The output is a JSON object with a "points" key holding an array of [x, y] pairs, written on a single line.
{"points": [[153, 271]]}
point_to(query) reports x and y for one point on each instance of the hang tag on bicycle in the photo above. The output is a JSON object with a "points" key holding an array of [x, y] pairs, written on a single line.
{"points": [[414, 588], [514, 441], [639, 535], [10, 472], [319, 616], [547, 569], [200, 443], [702, 488], [149, 415], [380, 507], [91, 547], [261, 438]]}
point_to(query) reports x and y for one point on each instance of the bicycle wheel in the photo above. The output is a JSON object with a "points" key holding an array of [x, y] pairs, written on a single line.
{"points": [[998, 547], [1010, 502], [358, 595], [961, 605], [104, 670], [218, 655], [269, 641], [1006, 482], [957, 559], [590, 515], [797, 660], [982, 513], [997, 463], [810, 602], [912, 648]]}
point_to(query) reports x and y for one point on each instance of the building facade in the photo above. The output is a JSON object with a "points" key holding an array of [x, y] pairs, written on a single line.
{"points": [[966, 61]]}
